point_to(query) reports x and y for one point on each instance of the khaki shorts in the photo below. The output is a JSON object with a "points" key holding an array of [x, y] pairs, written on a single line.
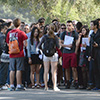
{"points": [[54, 58]]}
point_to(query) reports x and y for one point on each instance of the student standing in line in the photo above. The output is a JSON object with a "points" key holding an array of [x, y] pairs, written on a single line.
{"points": [[33, 56]]}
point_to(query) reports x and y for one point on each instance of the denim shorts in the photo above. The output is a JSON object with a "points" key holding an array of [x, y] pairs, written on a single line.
{"points": [[16, 64]]}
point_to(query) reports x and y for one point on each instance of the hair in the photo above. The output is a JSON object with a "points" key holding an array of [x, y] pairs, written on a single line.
{"points": [[54, 20], [63, 24], [51, 31], [41, 20], [1, 27], [16, 22], [95, 22], [45, 28], [23, 23], [32, 35], [87, 29], [32, 24], [98, 19], [79, 25], [69, 21]]}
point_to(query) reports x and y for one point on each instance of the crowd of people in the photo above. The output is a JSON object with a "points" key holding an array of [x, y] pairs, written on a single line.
{"points": [[51, 55]]}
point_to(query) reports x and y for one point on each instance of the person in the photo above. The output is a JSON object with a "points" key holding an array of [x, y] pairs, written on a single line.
{"points": [[69, 56], [16, 60], [41, 22], [3, 62], [33, 56], [53, 59], [98, 22], [26, 28], [95, 53], [22, 26], [63, 28], [82, 58]]}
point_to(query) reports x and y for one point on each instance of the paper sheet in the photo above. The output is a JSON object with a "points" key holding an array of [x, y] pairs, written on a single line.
{"points": [[68, 40]]}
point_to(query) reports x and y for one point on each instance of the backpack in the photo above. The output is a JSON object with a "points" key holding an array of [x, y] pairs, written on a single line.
{"points": [[13, 45], [49, 47]]}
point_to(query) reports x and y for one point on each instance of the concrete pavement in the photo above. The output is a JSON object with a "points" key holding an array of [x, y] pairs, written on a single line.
{"points": [[40, 94]]}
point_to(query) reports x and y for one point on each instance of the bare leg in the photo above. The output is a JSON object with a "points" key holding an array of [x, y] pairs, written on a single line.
{"points": [[75, 73], [32, 67], [12, 76], [54, 73], [19, 77], [38, 67], [67, 74], [46, 70]]}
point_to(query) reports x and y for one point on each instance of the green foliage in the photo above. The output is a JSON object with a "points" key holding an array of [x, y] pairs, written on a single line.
{"points": [[27, 10]]}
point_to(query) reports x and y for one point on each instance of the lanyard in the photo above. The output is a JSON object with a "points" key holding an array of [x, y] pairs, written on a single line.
{"points": [[67, 33]]}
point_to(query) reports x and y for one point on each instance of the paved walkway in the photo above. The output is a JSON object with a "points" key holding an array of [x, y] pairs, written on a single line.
{"points": [[40, 94]]}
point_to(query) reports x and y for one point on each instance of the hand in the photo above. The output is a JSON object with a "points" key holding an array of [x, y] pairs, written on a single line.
{"points": [[95, 44], [80, 35], [30, 61], [70, 45], [89, 58], [84, 45]]}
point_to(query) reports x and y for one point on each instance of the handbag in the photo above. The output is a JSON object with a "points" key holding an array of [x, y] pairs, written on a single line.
{"points": [[5, 57]]}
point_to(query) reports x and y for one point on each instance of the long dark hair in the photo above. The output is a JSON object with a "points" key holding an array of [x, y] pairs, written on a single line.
{"points": [[32, 35], [87, 29]]}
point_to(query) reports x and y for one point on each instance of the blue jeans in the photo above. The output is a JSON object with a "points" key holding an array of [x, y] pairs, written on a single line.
{"points": [[3, 73]]}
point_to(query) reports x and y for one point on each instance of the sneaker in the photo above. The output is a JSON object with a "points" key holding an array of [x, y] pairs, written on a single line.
{"points": [[38, 86], [76, 85], [42, 85], [33, 86], [95, 88], [56, 89], [11, 88], [90, 87], [4, 87], [20, 88], [68, 85]]}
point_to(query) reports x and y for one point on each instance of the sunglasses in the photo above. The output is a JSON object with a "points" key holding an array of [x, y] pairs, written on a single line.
{"points": [[63, 28]]}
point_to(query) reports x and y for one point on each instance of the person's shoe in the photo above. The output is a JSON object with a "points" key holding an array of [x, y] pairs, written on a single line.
{"points": [[76, 84], [46, 89], [33, 86], [37, 86], [20, 88], [42, 85], [56, 89], [95, 88], [68, 85], [90, 87], [11, 88]]}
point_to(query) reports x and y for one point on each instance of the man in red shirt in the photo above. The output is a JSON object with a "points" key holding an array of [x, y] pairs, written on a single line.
{"points": [[17, 60]]}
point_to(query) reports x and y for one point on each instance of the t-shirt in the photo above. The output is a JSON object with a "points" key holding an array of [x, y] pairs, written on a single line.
{"points": [[73, 34], [21, 36]]}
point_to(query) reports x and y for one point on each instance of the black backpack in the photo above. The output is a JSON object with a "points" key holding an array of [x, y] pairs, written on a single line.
{"points": [[49, 47]]}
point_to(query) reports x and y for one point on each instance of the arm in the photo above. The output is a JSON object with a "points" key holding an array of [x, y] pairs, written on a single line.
{"points": [[41, 42], [78, 43], [29, 48], [62, 41]]}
